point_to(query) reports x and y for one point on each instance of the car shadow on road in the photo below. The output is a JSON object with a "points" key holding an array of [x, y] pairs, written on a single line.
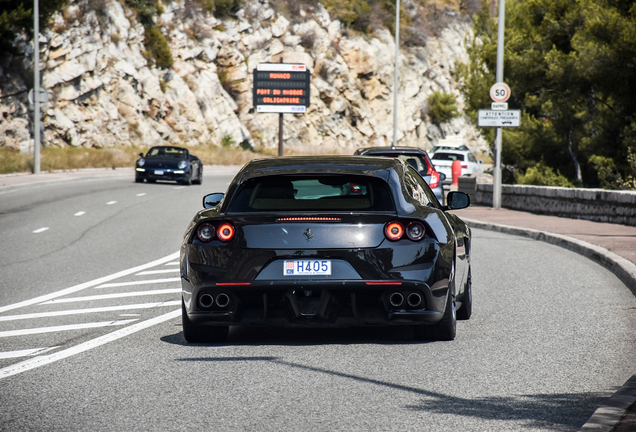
{"points": [[272, 335], [553, 411]]}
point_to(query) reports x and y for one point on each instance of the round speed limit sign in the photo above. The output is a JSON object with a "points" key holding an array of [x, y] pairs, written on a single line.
{"points": [[500, 92]]}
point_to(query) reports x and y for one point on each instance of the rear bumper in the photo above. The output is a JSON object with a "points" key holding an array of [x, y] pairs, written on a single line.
{"points": [[338, 303]]}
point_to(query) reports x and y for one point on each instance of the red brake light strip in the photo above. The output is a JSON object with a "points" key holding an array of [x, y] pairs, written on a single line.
{"points": [[308, 218]]}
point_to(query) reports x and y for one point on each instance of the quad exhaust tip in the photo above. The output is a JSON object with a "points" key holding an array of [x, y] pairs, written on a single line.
{"points": [[206, 301], [414, 300], [396, 299], [222, 300]]}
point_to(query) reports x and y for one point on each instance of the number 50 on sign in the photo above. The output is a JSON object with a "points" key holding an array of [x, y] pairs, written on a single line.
{"points": [[500, 92]]}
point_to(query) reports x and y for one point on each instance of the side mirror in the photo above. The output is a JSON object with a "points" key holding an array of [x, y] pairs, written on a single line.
{"points": [[212, 200], [141, 155], [457, 200], [442, 176]]}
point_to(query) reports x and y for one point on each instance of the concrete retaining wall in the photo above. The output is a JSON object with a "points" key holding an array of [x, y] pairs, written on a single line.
{"points": [[592, 204]]}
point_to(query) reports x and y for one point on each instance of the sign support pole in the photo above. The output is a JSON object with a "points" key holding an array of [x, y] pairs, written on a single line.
{"points": [[280, 134], [395, 78], [496, 190], [36, 87]]}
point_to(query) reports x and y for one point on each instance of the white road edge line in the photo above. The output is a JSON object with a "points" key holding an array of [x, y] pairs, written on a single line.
{"points": [[112, 296], [102, 340], [55, 329], [91, 310], [145, 282], [90, 284], [24, 353], [153, 272]]}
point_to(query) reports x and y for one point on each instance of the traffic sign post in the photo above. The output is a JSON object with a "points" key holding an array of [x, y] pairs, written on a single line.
{"points": [[281, 88]]}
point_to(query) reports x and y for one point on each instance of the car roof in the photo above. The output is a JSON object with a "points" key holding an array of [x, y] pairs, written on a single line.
{"points": [[336, 164], [463, 152], [396, 150]]}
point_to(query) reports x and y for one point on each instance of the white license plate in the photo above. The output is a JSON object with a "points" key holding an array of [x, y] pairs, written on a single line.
{"points": [[158, 172], [307, 267]]}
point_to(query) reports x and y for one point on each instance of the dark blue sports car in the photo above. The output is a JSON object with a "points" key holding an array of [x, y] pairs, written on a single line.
{"points": [[167, 163], [326, 241]]}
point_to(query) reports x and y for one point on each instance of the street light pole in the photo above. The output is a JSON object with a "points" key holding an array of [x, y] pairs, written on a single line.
{"points": [[36, 87], [496, 191], [395, 79]]}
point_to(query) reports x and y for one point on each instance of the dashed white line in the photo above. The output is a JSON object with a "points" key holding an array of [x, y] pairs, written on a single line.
{"points": [[102, 340], [24, 353], [145, 282], [80, 213], [141, 194], [111, 202], [39, 230], [54, 329], [152, 272], [91, 310], [112, 296]]}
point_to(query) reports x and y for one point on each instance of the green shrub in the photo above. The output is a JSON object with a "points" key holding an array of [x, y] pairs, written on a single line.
{"points": [[351, 13], [226, 7], [157, 48], [227, 141], [542, 175], [442, 107]]}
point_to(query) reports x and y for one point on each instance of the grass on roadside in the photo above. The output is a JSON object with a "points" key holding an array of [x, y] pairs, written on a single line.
{"points": [[73, 158]]}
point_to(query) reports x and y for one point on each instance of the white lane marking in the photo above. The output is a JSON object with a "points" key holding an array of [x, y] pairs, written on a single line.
{"points": [[152, 272], [145, 282], [129, 315], [80, 213], [141, 194], [54, 329], [44, 360], [90, 310], [39, 230], [90, 284], [112, 296], [172, 263], [179, 187], [24, 353], [111, 202]]}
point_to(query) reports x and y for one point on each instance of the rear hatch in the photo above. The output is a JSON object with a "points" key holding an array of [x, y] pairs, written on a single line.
{"points": [[330, 231]]}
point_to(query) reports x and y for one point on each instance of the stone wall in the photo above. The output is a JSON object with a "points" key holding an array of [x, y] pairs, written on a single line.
{"points": [[592, 204]]}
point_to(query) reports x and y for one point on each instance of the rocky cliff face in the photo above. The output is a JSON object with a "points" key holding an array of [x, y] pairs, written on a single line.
{"points": [[103, 92]]}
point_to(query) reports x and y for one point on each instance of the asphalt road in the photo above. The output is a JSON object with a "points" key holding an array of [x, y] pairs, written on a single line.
{"points": [[90, 334]]}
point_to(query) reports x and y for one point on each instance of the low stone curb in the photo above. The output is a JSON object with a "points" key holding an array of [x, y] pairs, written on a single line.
{"points": [[607, 416]]}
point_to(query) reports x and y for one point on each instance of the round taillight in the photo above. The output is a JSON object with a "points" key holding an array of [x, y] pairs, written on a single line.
{"points": [[205, 233], [394, 231], [415, 231], [225, 232]]}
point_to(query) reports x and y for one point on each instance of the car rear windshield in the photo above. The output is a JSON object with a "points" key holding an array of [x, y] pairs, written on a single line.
{"points": [[443, 156], [313, 193]]}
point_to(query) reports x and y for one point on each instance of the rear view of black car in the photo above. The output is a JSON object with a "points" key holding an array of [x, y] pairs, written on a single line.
{"points": [[326, 241]]}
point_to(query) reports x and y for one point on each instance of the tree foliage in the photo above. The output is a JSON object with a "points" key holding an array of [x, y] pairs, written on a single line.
{"points": [[16, 16], [442, 107], [571, 67]]}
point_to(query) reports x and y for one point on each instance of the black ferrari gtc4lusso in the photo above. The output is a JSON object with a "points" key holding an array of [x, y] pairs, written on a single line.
{"points": [[326, 241]]}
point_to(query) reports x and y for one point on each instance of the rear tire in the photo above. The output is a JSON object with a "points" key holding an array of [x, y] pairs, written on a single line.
{"points": [[446, 329], [201, 334], [466, 310]]}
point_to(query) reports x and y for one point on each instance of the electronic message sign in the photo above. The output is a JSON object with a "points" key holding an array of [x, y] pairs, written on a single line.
{"points": [[281, 88]]}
